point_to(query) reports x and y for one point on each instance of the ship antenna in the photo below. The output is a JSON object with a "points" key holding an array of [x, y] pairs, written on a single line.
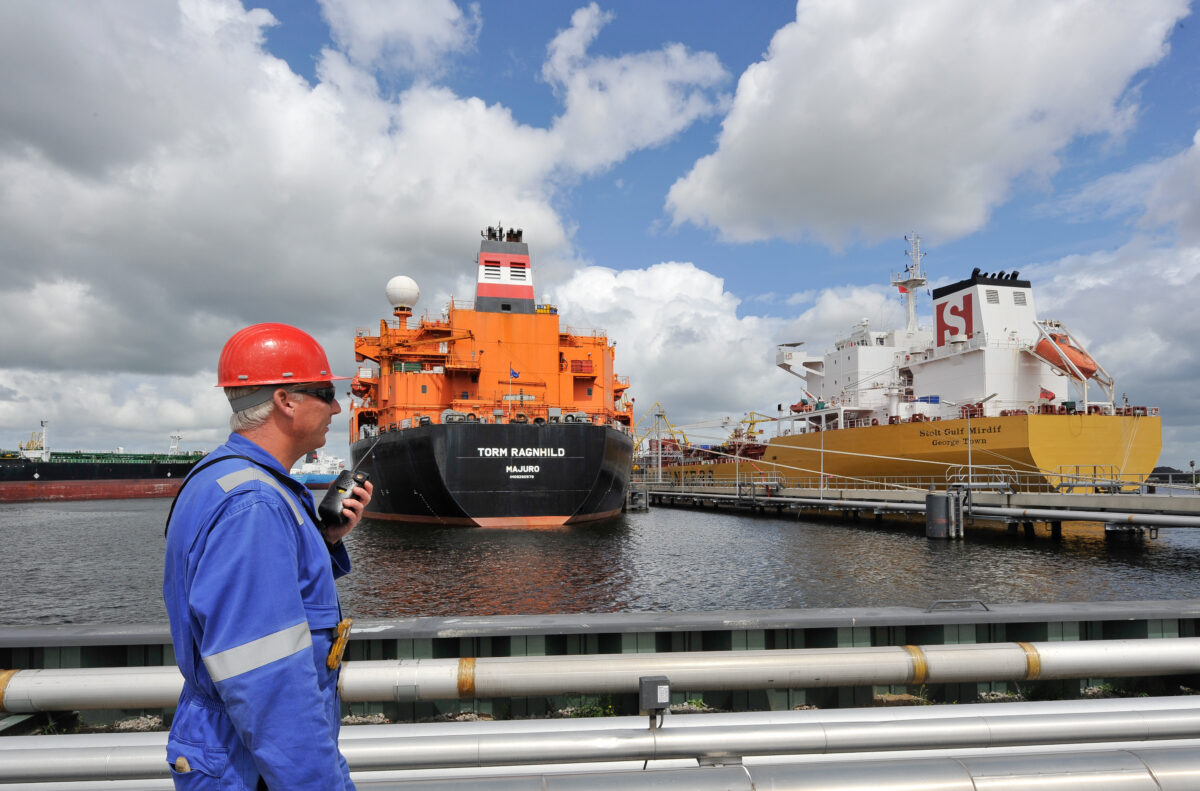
{"points": [[912, 279]]}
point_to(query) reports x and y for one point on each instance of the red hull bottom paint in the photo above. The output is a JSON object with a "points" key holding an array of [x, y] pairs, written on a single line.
{"points": [[496, 522], [33, 491]]}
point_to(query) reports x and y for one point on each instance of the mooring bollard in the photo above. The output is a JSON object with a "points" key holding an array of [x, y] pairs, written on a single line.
{"points": [[937, 515]]}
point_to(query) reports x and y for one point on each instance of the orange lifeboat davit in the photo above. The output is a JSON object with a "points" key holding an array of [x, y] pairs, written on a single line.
{"points": [[1058, 346]]}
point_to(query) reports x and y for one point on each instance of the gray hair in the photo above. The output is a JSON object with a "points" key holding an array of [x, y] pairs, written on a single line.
{"points": [[253, 417]]}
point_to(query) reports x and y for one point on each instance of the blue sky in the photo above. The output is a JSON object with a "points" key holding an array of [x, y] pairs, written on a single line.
{"points": [[703, 180]]}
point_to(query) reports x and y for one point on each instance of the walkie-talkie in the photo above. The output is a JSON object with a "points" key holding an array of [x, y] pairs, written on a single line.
{"points": [[342, 488]]}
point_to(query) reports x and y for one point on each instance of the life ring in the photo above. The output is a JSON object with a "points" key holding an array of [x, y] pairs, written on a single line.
{"points": [[874, 421]]}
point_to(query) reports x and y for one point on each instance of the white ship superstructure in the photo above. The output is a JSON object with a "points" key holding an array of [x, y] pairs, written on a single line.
{"points": [[988, 354]]}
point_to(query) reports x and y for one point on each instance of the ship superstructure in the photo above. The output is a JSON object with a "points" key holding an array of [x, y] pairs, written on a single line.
{"points": [[492, 413]]}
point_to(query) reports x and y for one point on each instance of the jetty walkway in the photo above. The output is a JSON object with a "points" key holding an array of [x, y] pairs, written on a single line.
{"points": [[1119, 511]]}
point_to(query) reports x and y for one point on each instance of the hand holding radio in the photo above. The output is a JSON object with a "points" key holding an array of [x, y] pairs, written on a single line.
{"points": [[341, 497]]}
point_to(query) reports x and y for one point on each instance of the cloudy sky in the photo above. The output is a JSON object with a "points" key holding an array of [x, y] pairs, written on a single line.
{"points": [[701, 179]]}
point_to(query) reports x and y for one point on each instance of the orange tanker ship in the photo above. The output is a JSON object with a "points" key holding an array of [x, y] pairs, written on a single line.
{"points": [[491, 414]]}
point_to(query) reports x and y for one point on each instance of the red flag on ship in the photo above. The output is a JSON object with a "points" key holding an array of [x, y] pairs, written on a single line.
{"points": [[1046, 394], [903, 290]]}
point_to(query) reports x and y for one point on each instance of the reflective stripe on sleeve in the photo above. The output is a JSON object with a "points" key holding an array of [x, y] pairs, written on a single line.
{"points": [[256, 653], [238, 477]]}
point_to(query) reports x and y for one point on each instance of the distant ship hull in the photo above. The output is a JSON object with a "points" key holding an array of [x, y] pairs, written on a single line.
{"points": [[1038, 449], [314, 480], [497, 474], [25, 480]]}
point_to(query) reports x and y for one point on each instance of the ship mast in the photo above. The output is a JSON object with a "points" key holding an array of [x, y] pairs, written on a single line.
{"points": [[912, 279]]}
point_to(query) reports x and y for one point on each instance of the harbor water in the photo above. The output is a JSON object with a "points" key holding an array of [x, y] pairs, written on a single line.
{"points": [[101, 562]]}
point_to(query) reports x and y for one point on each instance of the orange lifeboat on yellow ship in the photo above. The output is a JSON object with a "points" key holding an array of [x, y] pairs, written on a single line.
{"points": [[1058, 347]]}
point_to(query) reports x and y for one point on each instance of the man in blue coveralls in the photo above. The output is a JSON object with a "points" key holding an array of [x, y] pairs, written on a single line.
{"points": [[249, 582]]}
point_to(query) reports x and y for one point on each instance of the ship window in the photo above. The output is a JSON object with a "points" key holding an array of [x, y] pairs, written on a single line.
{"points": [[424, 388], [993, 296], [1018, 297], [505, 306], [589, 391], [464, 395]]}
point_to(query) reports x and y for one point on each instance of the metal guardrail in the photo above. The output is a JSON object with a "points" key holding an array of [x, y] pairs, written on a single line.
{"points": [[998, 478]]}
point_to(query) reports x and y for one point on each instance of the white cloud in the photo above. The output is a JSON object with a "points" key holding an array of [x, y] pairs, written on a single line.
{"points": [[102, 412], [614, 105], [405, 35], [1157, 194], [1175, 199], [868, 118], [164, 180], [681, 340]]}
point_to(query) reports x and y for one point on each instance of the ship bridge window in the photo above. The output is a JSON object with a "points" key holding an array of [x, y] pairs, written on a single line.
{"points": [[879, 341], [993, 296], [1019, 298]]}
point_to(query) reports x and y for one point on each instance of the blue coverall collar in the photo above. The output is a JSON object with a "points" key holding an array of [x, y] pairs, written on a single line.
{"points": [[247, 447]]}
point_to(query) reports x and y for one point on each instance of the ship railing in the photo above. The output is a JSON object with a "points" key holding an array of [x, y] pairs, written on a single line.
{"points": [[989, 478], [1094, 479], [456, 360], [591, 332], [996, 479]]}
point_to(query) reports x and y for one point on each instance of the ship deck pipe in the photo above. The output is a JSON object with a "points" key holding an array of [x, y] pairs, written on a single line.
{"points": [[1156, 769], [406, 680], [440, 679], [716, 744], [484, 775], [1117, 768], [1095, 706], [1065, 515]]}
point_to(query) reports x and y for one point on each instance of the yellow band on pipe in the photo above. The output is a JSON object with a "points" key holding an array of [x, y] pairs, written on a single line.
{"points": [[1033, 661], [466, 677], [5, 677], [920, 669]]}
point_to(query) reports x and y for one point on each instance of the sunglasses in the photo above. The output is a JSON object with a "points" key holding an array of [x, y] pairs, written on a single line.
{"points": [[326, 394]]}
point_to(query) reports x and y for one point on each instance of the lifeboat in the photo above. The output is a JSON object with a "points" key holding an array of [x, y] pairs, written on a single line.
{"points": [[1058, 347]]}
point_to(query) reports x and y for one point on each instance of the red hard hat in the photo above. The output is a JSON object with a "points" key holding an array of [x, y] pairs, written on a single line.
{"points": [[269, 354]]}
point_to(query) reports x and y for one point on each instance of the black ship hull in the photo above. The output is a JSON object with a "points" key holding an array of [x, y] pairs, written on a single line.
{"points": [[29, 479], [497, 474]]}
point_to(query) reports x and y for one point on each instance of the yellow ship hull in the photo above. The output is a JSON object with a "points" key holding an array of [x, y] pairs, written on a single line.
{"points": [[1033, 450]]}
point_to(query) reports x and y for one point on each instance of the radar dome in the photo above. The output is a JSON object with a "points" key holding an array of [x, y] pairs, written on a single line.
{"points": [[402, 292]]}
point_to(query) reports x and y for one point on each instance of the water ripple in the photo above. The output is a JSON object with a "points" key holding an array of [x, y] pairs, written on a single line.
{"points": [[101, 562]]}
